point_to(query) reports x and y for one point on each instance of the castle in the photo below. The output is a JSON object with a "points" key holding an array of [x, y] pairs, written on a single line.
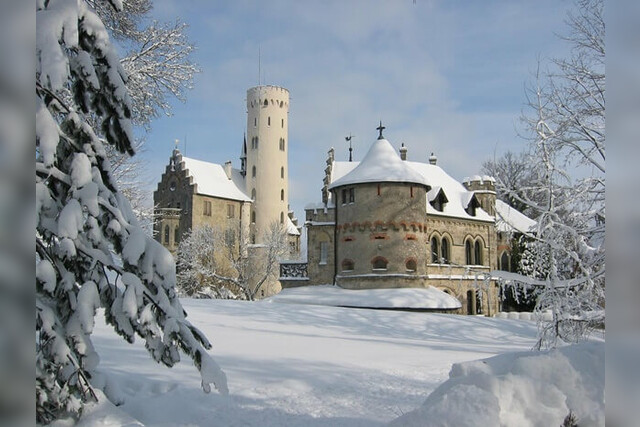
{"points": [[383, 222]]}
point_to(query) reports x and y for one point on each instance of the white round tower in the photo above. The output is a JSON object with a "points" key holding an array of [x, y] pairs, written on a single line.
{"points": [[267, 173]]}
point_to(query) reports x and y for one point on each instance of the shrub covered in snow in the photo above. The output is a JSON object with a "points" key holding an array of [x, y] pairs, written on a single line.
{"points": [[519, 389]]}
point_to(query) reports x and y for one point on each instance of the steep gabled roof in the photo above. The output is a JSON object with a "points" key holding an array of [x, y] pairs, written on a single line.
{"points": [[380, 164], [211, 179]]}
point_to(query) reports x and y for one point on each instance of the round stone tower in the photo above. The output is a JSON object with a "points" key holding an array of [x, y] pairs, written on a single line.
{"points": [[266, 157]]}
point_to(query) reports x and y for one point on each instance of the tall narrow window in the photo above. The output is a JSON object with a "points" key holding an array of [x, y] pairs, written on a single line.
{"points": [[206, 208], [324, 252], [478, 252], [282, 172], [253, 172], [269, 121], [352, 195], [166, 234], [253, 194], [176, 236], [435, 250], [281, 217], [504, 262], [411, 191], [468, 252], [378, 189], [344, 196], [231, 211], [444, 250], [253, 219], [282, 123], [255, 121], [282, 195]]}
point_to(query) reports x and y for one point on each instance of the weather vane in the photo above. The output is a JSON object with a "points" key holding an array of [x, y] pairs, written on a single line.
{"points": [[348, 138]]}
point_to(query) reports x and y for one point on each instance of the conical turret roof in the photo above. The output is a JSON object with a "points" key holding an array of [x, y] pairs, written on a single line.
{"points": [[381, 164]]}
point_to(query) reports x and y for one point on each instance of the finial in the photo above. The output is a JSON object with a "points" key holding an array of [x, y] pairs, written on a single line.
{"points": [[176, 142], [380, 129]]}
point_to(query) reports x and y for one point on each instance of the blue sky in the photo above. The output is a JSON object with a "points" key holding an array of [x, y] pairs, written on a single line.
{"points": [[444, 76]]}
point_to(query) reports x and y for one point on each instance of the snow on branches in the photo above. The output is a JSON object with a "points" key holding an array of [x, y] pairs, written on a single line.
{"points": [[90, 249]]}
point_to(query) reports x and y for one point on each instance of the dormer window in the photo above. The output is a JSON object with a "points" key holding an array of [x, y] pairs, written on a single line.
{"points": [[439, 201]]}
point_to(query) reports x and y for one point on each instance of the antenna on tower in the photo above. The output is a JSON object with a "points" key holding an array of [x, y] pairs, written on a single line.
{"points": [[259, 64], [348, 138]]}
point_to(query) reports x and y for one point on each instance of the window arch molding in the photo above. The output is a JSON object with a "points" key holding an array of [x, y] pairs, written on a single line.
{"points": [[468, 251], [347, 264]]}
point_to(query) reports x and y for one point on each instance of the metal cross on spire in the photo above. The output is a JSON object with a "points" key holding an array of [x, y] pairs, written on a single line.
{"points": [[348, 138], [381, 128]]}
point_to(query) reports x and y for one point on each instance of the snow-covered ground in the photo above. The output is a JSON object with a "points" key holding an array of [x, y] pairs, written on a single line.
{"points": [[300, 365]]}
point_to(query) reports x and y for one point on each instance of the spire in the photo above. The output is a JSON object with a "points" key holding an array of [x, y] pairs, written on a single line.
{"points": [[381, 128]]}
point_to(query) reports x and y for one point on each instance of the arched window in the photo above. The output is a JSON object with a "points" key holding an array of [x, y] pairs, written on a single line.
{"points": [[253, 217], [347, 265], [166, 234], [253, 194], [269, 121], [478, 252], [468, 252], [282, 172], [255, 121], [379, 263], [411, 265], [176, 236], [504, 262], [435, 250], [253, 171], [282, 195], [281, 217], [266, 102], [444, 250], [282, 123]]}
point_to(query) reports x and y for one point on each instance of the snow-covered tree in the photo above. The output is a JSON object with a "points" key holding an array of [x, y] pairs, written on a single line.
{"points": [[159, 69], [213, 263], [510, 172], [564, 189], [90, 249]]}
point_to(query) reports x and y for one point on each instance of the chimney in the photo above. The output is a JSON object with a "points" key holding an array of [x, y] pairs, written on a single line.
{"points": [[433, 159], [227, 169], [403, 152]]}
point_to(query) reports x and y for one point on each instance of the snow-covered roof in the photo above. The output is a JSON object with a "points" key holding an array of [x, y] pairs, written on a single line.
{"points": [[291, 228], [212, 180], [509, 219], [381, 164]]}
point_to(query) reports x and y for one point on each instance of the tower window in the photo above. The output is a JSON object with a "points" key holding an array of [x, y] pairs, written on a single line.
{"points": [[253, 194], [378, 189], [379, 263], [282, 123], [266, 103], [166, 234], [411, 265], [253, 218], [352, 195], [504, 262], [282, 195], [206, 208], [176, 236], [269, 121], [444, 249], [281, 217], [231, 211], [255, 121], [253, 172], [282, 172], [412, 191]]}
